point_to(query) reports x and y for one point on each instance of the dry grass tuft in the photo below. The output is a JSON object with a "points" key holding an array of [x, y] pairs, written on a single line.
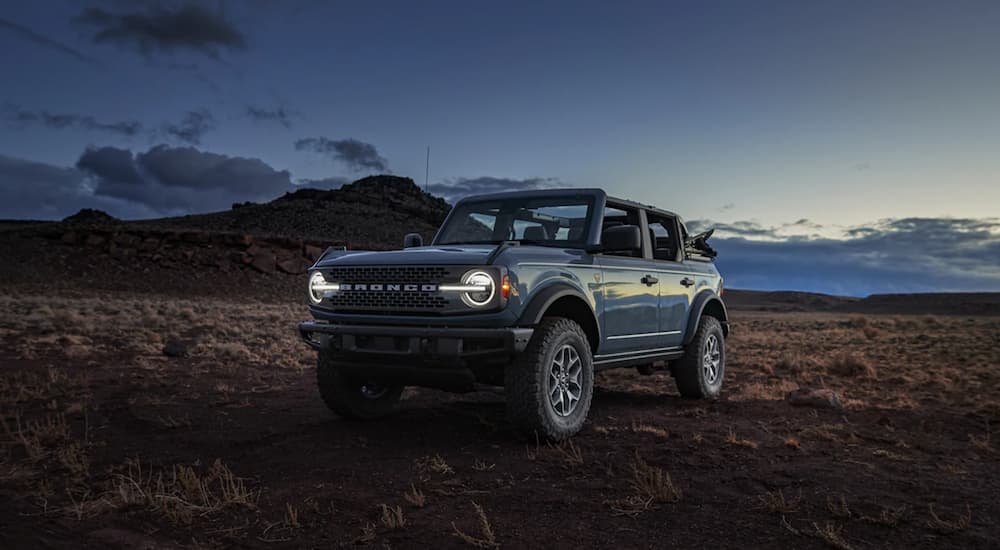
{"points": [[291, 520], [182, 492], [434, 464], [839, 507], [831, 534], [483, 466], [982, 442], [794, 363], [487, 536], [368, 534], [945, 526], [652, 483], [887, 517], [732, 439], [776, 502], [850, 364], [570, 453], [639, 427], [392, 517], [415, 496]]}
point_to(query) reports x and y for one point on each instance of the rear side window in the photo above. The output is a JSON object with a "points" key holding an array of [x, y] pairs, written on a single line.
{"points": [[663, 237]]}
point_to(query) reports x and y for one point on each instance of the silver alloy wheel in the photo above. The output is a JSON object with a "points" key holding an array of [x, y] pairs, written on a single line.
{"points": [[565, 384], [711, 362], [373, 391]]}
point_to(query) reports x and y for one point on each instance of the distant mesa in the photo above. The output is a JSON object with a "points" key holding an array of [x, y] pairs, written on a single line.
{"points": [[383, 185], [90, 216]]}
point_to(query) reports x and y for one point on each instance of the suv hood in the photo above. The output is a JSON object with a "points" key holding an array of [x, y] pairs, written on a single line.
{"points": [[421, 255]]}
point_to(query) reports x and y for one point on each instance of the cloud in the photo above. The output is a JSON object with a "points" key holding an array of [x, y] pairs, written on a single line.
{"points": [[111, 164], [159, 29], [278, 114], [357, 155], [35, 190], [893, 255], [193, 127], [127, 128], [452, 190], [180, 180], [44, 41]]}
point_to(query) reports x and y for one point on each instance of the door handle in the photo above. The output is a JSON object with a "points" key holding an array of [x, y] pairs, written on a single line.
{"points": [[649, 280], [686, 281]]}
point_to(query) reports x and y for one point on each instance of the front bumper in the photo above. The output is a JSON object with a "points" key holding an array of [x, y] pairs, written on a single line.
{"points": [[415, 342], [443, 357]]}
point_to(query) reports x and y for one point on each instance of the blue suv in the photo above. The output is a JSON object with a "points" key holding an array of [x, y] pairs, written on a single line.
{"points": [[532, 291]]}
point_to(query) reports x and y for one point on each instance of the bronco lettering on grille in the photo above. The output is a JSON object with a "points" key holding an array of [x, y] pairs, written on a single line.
{"points": [[387, 287]]}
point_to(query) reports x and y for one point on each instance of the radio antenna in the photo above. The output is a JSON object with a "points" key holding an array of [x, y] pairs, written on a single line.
{"points": [[427, 168]]}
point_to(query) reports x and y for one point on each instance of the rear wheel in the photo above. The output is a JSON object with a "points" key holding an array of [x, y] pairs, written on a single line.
{"points": [[549, 387], [352, 398], [699, 373]]}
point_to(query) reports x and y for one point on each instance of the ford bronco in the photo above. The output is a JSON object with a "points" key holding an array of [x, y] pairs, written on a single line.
{"points": [[533, 291]]}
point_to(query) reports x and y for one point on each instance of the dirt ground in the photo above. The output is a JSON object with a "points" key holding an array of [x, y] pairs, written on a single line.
{"points": [[106, 442]]}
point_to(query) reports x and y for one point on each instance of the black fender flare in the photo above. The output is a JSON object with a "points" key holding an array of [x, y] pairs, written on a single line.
{"points": [[532, 313], [702, 300]]}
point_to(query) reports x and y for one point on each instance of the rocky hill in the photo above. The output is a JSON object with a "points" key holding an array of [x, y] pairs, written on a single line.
{"points": [[374, 212], [259, 249]]}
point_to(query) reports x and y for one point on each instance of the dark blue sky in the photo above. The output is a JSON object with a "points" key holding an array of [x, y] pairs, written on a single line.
{"points": [[755, 115]]}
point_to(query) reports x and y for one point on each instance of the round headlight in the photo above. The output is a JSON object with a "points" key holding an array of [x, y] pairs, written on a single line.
{"points": [[318, 287], [482, 297]]}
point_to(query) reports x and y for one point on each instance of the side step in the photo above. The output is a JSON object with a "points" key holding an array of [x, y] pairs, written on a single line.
{"points": [[628, 359]]}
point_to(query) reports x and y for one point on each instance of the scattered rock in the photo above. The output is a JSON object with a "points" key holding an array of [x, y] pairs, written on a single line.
{"points": [[150, 244], [69, 237], [126, 240], [821, 398], [197, 237], [95, 240], [294, 266], [175, 348], [237, 257], [263, 261], [121, 252]]}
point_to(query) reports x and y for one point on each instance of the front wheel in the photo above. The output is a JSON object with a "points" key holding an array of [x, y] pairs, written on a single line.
{"points": [[699, 373], [350, 398], [550, 386]]}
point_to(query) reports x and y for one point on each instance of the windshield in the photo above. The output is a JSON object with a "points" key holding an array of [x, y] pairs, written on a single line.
{"points": [[546, 221]]}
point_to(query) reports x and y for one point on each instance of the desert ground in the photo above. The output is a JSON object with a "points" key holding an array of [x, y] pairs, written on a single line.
{"points": [[136, 420]]}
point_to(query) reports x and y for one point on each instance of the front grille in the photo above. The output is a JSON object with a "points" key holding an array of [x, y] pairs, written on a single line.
{"points": [[385, 301]]}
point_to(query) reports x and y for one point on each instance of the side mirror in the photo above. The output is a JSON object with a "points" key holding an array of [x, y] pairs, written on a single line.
{"points": [[412, 239], [621, 238]]}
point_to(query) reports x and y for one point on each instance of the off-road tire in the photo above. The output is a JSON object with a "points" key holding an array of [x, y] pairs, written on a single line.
{"points": [[527, 382], [345, 396], [689, 371]]}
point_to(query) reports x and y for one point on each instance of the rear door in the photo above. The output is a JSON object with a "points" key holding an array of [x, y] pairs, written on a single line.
{"points": [[630, 321], [677, 282]]}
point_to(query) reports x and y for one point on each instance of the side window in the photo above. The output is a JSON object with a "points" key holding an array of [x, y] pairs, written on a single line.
{"points": [[663, 237], [614, 216]]}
